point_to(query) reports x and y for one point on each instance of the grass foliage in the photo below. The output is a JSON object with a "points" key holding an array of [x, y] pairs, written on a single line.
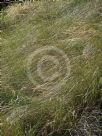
{"points": [[74, 26]]}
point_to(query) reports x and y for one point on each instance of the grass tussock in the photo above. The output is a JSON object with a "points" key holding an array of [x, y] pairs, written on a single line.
{"points": [[73, 109]]}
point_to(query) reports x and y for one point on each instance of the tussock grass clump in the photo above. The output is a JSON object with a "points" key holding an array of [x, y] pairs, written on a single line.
{"points": [[74, 109]]}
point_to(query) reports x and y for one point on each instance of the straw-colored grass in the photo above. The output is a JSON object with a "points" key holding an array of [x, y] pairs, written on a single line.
{"points": [[73, 27]]}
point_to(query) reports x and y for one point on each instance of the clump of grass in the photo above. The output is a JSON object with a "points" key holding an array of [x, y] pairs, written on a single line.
{"points": [[75, 28], [18, 10]]}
